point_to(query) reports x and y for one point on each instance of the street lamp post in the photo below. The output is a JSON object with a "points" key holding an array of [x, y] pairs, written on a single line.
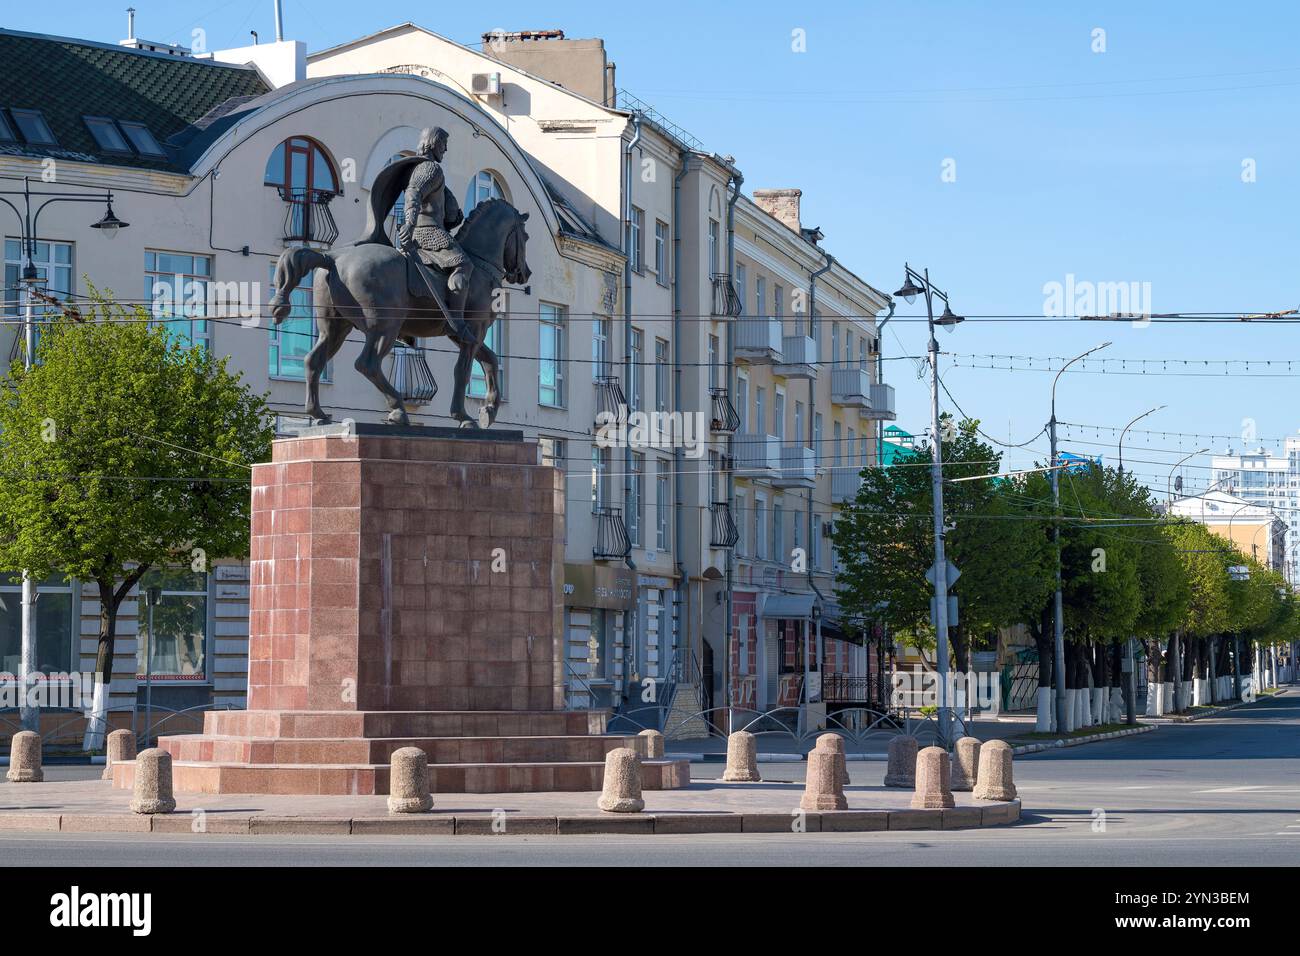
{"points": [[1169, 486], [1058, 624], [947, 320], [29, 219], [1130, 665]]}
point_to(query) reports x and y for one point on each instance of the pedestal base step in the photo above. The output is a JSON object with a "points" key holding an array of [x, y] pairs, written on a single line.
{"points": [[318, 724], [367, 779], [196, 748]]}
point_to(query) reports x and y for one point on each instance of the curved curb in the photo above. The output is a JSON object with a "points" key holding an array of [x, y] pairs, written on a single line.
{"points": [[1025, 749], [989, 814], [1217, 709]]}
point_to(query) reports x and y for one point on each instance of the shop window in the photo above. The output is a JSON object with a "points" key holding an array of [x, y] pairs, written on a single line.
{"points": [[177, 648]]}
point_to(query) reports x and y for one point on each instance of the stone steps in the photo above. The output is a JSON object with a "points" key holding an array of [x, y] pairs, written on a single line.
{"points": [[375, 750], [368, 779]]}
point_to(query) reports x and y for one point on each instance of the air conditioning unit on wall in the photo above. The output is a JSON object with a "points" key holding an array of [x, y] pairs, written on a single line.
{"points": [[486, 84]]}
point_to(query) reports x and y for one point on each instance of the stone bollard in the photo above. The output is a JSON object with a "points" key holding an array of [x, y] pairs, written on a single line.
{"points": [[153, 782], [995, 781], [121, 748], [965, 763], [621, 792], [652, 744], [742, 758], [901, 771], [822, 790], [933, 780], [25, 758], [834, 743], [408, 781]]}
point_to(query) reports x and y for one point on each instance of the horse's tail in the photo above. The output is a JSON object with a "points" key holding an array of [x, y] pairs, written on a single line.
{"points": [[293, 265]]}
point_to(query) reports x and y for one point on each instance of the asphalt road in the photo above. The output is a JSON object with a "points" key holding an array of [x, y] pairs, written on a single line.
{"points": [[1222, 792]]}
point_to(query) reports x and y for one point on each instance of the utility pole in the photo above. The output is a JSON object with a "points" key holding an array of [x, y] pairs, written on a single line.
{"points": [[1130, 684]]}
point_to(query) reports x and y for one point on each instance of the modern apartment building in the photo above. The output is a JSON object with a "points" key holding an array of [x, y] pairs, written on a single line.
{"points": [[1270, 482], [698, 551]]}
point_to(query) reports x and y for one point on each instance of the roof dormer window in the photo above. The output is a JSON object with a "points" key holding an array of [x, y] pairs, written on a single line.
{"points": [[123, 137], [142, 138], [107, 135], [6, 131], [31, 123]]}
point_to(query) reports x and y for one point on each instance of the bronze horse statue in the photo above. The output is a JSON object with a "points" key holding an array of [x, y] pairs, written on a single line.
{"points": [[365, 287]]}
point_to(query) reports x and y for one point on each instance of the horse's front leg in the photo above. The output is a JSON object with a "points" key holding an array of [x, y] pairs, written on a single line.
{"points": [[464, 362]]}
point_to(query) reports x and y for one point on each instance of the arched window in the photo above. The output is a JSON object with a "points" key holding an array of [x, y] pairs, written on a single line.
{"points": [[482, 187], [300, 164]]}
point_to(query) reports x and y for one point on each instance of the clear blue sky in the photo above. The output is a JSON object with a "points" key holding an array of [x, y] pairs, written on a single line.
{"points": [[1122, 166]]}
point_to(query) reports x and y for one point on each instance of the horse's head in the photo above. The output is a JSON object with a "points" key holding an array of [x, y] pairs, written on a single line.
{"points": [[495, 231], [514, 258]]}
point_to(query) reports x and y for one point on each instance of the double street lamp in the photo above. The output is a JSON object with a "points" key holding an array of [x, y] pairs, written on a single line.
{"points": [[947, 320], [34, 202]]}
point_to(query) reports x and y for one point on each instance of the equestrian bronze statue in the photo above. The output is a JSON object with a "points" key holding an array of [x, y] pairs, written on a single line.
{"points": [[440, 284]]}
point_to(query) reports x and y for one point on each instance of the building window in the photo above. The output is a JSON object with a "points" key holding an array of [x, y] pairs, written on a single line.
{"points": [[760, 527], [54, 625], [661, 251], [53, 262], [741, 520], [778, 301], [600, 349], [663, 505], [176, 287], [550, 373], [760, 296], [496, 341], [715, 476], [742, 280], [636, 400], [599, 477], [778, 530], [176, 651], [299, 165], [636, 229], [714, 244], [714, 371], [636, 504], [482, 187], [661, 376], [292, 339]]}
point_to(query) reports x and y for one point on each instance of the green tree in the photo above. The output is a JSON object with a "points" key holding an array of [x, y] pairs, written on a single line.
{"points": [[122, 451]]}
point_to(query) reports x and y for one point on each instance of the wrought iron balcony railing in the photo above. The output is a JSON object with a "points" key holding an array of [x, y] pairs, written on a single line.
{"points": [[725, 533], [725, 300], [307, 216], [610, 398], [723, 417], [611, 534]]}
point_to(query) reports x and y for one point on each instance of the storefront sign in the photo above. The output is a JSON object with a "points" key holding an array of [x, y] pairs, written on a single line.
{"points": [[596, 585]]}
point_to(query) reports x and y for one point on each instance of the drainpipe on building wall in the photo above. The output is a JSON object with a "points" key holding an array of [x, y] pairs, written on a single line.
{"points": [[817, 454], [681, 589], [735, 182], [630, 635], [880, 378]]}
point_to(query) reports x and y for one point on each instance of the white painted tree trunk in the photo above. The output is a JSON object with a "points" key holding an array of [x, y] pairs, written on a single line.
{"points": [[97, 719], [1117, 711], [1046, 721], [1153, 699], [1099, 705]]}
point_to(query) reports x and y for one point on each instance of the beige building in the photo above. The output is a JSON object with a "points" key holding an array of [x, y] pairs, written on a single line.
{"points": [[718, 317], [1254, 530]]}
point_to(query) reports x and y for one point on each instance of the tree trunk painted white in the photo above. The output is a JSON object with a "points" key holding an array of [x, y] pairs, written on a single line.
{"points": [[1083, 707], [97, 719], [1046, 721], [1153, 699], [1118, 714]]}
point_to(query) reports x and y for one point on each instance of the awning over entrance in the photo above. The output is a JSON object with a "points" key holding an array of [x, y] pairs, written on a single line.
{"points": [[787, 606]]}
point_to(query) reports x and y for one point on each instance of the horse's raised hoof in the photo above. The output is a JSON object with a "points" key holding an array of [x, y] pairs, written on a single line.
{"points": [[398, 417], [469, 423], [319, 418]]}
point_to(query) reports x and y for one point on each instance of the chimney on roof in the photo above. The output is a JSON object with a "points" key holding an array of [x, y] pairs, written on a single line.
{"points": [[781, 204], [130, 23], [577, 65]]}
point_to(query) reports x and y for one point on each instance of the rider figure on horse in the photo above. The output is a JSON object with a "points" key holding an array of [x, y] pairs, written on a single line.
{"points": [[431, 211]]}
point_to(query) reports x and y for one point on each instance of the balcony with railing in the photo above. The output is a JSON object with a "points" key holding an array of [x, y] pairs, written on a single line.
{"points": [[610, 399], [307, 216], [726, 301], [882, 404], [757, 456], [724, 533], [722, 415], [851, 387], [798, 466], [845, 481], [758, 340], [798, 357], [612, 541]]}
